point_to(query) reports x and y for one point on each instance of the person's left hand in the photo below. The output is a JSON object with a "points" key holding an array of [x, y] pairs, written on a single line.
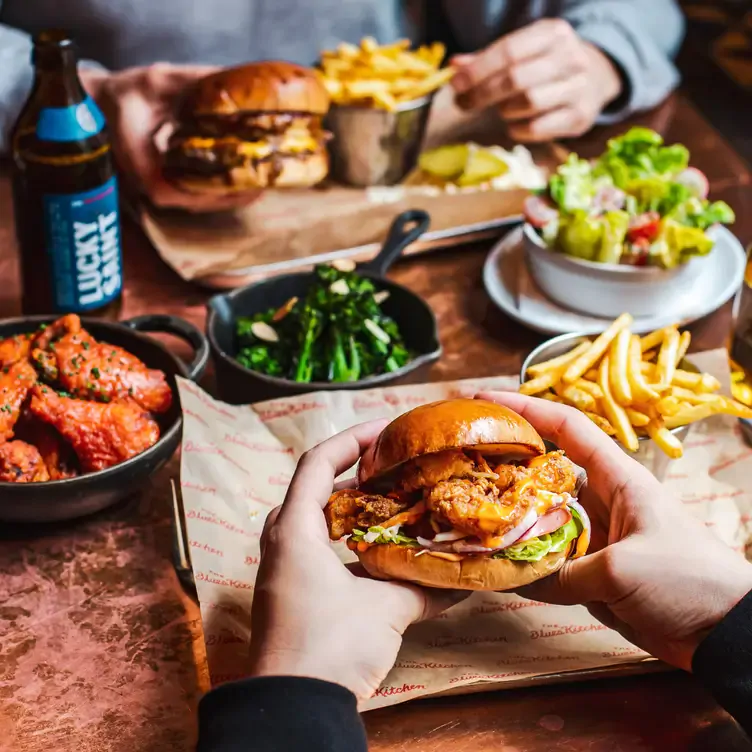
{"points": [[313, 616], [544, 79]]}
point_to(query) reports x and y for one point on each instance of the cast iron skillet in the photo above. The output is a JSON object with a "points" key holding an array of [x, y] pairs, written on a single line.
{"points": [[239, 385], [75, 497]]}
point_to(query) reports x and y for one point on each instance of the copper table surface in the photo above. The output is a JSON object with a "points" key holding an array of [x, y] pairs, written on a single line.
{"points": [[100, 649]]}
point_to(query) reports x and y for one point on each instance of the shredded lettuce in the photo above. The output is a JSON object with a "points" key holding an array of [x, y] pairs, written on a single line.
{"points": [[378, 534], [535, 549]]}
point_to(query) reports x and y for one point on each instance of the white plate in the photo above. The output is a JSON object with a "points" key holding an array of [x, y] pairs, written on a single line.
{"points": [[510, 286]]}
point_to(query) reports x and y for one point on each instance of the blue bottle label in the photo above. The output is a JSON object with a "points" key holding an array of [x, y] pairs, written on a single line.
{"points": [[74, 123], [83, 243]]}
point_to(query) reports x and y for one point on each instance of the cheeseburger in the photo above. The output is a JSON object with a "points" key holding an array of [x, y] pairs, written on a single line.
{"points": [[462, 494], [255, 126]]}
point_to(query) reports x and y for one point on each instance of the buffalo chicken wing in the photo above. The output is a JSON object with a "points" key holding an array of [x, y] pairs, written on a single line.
{"points": [[101, 434], [15, 382], [21, 463], [93, 370]]}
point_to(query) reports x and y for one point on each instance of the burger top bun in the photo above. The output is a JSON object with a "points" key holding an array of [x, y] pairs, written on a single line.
{"points": [[471, 573], [490, 428], [266, 86]]}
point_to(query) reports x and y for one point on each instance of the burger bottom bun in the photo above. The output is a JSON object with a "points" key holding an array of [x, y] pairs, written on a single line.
{"points": [[294, 171], [390, 562]]}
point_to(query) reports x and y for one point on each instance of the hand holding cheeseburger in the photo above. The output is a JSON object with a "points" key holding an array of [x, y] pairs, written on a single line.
{"points": [[461, 494], [254, 126]]}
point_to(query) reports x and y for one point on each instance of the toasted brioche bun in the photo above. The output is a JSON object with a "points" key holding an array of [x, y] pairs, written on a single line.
{"points": [[490, 428], [294, 171], [265, 86], [389, 562]]}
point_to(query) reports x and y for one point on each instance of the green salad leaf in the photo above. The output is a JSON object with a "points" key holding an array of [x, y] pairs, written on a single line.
{"points": [[378, 534], [536, 549]]}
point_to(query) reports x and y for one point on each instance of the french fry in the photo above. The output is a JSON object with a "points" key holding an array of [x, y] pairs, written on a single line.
{"points": [[737, 409], [652, 340], [692, 414], [536, 386], [692, 397], [640, 389], [596, 350], [591, 375], [590, 387], [700, 382], [661, 435], [577, 398], [562, 360], [370, 75], [668, 405], [602, 423], [551, 397], [618, 362], [684, 341], [614, 412], [664, 371], [637, 418]]}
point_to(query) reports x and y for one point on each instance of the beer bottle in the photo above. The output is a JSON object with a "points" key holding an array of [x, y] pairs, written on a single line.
{"points": [[65, 192]]}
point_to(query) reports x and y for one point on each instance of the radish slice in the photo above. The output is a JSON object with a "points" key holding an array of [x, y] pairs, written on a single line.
{"points": [[549, 522], [695, 180], [538, 212], [609, 198], [584, 540]]}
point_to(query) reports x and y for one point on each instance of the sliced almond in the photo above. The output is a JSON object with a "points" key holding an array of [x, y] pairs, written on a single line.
{"points": [[282, 311], [344, 265], [381, 296], [377, 331], [264, 332], [339, 287]]}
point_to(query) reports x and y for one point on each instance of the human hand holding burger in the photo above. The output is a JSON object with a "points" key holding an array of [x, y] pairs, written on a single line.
{"points": [[312, 616], [234, 133], [655, 573]]}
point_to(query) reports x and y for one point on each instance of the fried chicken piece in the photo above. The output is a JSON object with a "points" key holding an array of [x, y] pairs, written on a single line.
{"points": [[99, 371], [58, 455], [14, 349], [349, 509], [427, 471], [556, 473], [21, 463], [14, 386], [473, 506], [68, 324], [102, 435], [508, 475]]}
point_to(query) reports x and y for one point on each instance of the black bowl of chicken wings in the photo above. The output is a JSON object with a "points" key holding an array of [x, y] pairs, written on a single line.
{"points": [[88, 411]]}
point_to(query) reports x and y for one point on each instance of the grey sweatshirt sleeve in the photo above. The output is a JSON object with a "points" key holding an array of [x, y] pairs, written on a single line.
{"points": [[16, 78], [16, 75], [641, 37]]}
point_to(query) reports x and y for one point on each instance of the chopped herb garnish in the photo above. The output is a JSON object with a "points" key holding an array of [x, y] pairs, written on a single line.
{"points": [[42, 327], [95, 373], [63, 394], [86, 345]]}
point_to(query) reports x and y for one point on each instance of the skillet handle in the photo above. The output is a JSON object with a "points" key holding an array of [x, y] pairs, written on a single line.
{"points": [[163, 323], [406, 229]]}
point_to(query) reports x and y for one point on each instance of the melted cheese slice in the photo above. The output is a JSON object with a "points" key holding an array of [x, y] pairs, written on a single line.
{"points": [[293, 142]]}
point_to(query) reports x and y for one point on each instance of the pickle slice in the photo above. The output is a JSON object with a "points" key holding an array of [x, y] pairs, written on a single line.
{"points": [[446, 162], [482, 166]]}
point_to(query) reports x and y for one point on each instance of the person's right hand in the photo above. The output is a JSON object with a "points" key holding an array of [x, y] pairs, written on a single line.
{"points": [[656, 574], [135, 103]]}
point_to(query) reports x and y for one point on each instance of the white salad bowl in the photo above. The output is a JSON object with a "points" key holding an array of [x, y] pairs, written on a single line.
{"points": [[607, 290]]}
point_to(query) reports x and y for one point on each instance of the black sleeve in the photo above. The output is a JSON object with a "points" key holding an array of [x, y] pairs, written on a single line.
{"points": [[280, 713], [723, 663]]}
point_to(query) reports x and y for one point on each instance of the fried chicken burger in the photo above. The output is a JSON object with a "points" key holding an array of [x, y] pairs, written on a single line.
{"points": [[462, 494], [254, 126]]}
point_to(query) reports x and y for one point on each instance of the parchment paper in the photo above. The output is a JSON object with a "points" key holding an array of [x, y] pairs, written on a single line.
{"points": [[238, 461], [297, 224]]}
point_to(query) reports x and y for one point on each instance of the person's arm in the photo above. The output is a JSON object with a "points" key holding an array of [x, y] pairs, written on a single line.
{"points": [[16, 77], [280, 714], [641, 37], [723, 663]]}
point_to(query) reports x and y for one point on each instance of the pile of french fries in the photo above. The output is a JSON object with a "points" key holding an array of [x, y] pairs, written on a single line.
{"points": [[633, 386], [370, 75]]}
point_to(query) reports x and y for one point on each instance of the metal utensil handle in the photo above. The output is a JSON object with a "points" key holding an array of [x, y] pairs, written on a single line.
{"points": [[406, 229]]}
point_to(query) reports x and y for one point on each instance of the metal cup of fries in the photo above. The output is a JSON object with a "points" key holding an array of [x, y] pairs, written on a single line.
{"points": [[381, 99], [637, 389]]}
